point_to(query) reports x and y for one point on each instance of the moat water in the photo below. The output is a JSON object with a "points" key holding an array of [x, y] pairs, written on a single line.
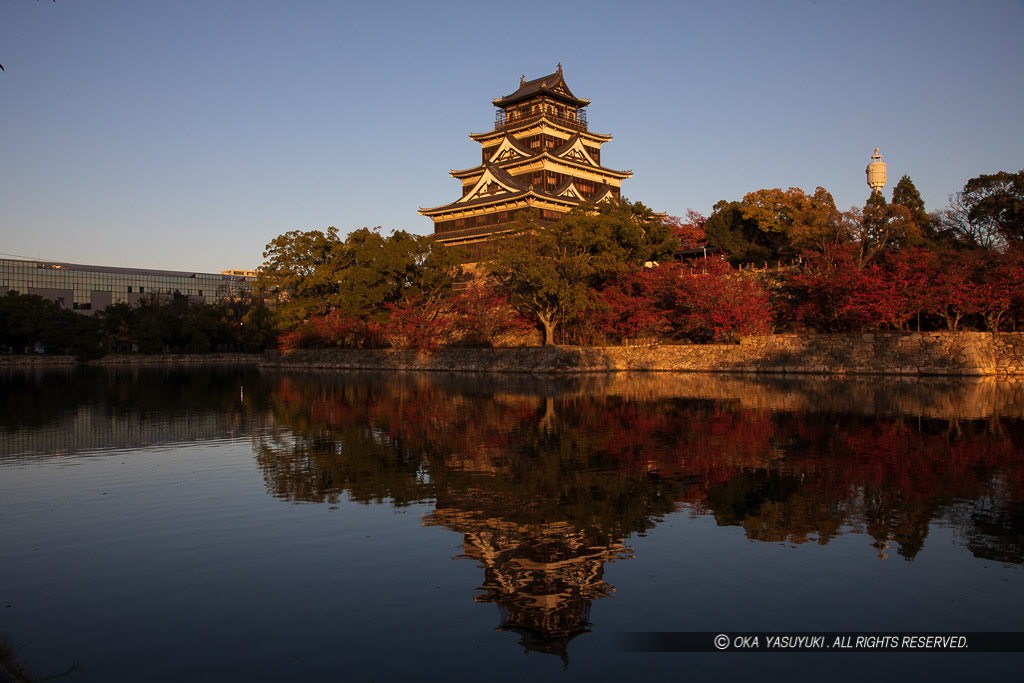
{"points": [[228, 524]]}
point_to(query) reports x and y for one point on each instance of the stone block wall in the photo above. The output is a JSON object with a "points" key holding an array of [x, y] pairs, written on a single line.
{"points": [[889, 353], [1008, 352]]}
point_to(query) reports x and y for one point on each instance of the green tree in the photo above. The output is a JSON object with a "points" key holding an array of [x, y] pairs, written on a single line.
{"points": [[27, 320], [117, 324], [256, 329], [878, 228], [953, 225], [551, 270], [743, 239], [378, 270], [314, 273], [204, 328], [807, 221], [22, 317], [153, 325], [301, 273], [905, 194], [178, 324], [249, 322], [998, 198]]}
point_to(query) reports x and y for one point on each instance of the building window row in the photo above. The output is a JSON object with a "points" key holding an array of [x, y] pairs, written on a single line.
{"points": [[112, 285]]}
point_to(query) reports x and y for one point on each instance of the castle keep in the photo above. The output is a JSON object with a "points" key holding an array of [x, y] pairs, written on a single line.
{"points": [[539, 156]]}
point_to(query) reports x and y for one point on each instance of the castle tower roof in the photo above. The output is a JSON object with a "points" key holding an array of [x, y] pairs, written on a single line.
{"points": [[552, 85]]}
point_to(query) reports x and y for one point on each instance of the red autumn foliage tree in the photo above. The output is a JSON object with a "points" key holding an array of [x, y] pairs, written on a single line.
{"points": [[689, 230], [912, 272], [715, 303], [832, 294], [875, 300], [485, 314], [954, 295], [934, 289], [707, 301], [1000, 281], [336, 328], [416, 322], [635, 305]]}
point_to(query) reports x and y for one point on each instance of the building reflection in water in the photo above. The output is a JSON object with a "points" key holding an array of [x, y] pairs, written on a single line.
{"points": [[546, 481], [543, 577], [69, 411]]}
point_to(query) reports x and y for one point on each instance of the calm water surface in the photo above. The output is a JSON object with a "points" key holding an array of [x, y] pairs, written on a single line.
{"points": [[265, 526]]}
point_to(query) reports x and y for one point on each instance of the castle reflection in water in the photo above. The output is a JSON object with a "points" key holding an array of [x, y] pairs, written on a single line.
{"points": [[547, 479]]}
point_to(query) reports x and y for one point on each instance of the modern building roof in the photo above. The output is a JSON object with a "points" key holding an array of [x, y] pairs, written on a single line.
{"points": [[81, 267]]}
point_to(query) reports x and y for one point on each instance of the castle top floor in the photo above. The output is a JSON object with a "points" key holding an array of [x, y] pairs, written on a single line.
{"points": [[547, 96]]}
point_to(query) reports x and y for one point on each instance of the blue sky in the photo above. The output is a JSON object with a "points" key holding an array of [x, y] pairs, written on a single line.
{"points": [[188, 134]]}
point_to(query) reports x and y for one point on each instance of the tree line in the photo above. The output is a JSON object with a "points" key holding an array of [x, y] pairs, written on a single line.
{"points": [[31, 323], [606, 274], [987, 215]]}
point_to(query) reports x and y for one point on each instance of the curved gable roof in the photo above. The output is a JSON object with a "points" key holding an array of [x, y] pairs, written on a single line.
{"points": [[493, 181], [574, 150], [510, 148], [552, 85]]}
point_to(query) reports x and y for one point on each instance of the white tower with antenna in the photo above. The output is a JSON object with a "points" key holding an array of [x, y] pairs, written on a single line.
{"points": [[876, 172]]}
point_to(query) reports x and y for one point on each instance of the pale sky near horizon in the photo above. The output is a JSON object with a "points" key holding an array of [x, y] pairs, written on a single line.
{"points": [[186, 135]]}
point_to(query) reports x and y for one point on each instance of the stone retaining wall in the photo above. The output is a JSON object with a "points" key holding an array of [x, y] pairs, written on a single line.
{"points": [[925, 353], [885, 353], [178, 359]]}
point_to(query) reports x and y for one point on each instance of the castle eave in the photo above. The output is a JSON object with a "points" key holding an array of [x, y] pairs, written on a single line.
{"points": [[531, 197], [568, 163], [538, 121]]}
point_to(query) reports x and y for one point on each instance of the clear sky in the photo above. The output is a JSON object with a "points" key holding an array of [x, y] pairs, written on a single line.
{"points": [[186, 135]]}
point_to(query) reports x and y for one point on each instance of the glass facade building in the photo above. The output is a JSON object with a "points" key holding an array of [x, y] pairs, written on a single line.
{"points": [[91, 288]]}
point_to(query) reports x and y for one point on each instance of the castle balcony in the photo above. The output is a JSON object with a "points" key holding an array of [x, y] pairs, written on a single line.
{"points": [[505, 119]]}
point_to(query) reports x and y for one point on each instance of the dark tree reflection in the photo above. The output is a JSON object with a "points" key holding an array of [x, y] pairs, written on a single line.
{"points": [[547, 481]]}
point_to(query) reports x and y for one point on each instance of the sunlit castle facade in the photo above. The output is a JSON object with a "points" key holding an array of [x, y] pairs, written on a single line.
{"points": [[541, 155], [86, 289]]}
